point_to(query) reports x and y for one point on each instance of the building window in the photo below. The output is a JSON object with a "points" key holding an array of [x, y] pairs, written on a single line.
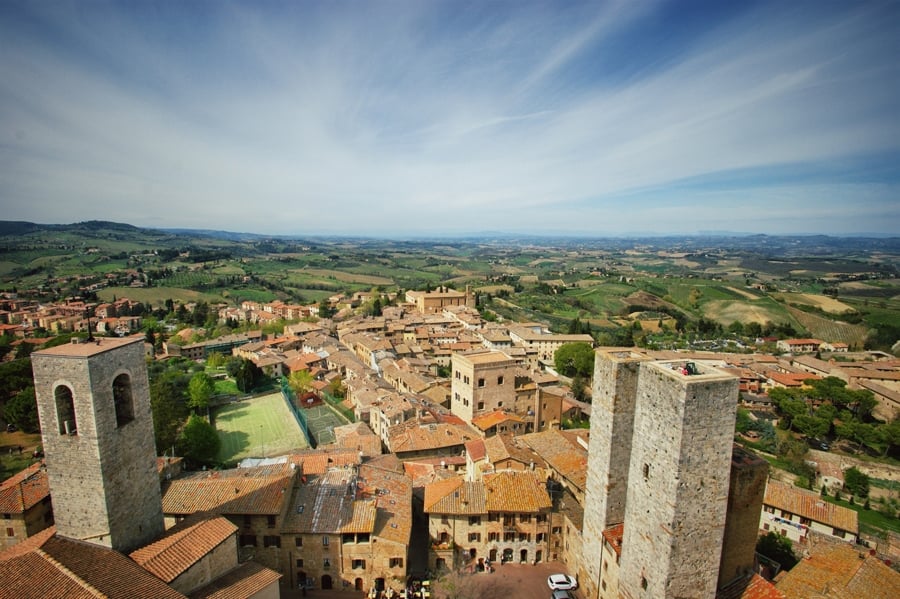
{"points": [[493, 517], [480, 405], [474, 520], [646, 471], [456, 374], [299, 563], [541, 518], [358, 564], [396, 562], [766, 526], [769, 509], [272, 541], [270, 521], [540, 537], [493, 536], [122, 400], [65, 411], [509, 537], [326, 563], [324, 541], [298, 541], [481, 382], [556, 530], [474, 537], [508, 520], [445, 519], [524, 537], [248, 540], [10, 532], [838, 533], [525, 518], [499, 380], [247, 521], [466, 379]]}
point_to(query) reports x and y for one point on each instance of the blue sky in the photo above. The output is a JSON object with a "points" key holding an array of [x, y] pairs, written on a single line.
{"points": [[426, 117]]}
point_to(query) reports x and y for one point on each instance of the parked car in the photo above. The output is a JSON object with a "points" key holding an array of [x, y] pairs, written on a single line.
{"points": [[561, 594], [561, 582], [818, 444]]}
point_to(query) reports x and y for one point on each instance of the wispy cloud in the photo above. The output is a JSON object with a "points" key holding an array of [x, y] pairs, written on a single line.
{"points": [[429, 117]]}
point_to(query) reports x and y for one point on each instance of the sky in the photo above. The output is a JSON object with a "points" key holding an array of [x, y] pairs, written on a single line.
{"points": [[409, 119]]}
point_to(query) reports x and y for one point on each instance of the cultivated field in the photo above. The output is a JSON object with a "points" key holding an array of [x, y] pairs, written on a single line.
{"points": [[828, 330], [349, 277], [823, 302], [728, 311], [258, 427]]}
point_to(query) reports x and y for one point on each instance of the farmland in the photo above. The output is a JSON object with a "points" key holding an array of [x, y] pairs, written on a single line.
{"points": [[767, 281]]}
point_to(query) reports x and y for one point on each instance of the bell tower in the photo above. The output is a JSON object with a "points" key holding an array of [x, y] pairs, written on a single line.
{"points": [[93, 401]]}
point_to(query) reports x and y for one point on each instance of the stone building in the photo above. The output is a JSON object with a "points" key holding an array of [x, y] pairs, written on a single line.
{"points": [[481, 382], [503, 517], [745, 498], [94, 406], [25, 505], [431, 302], [659, 463]]}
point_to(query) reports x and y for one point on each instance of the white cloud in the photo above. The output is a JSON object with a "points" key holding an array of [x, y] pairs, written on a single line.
{"points": [[367, 123]]}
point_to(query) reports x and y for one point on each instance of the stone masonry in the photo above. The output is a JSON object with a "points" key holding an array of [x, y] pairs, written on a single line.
{"points": [[609, 453], [678, 481], [102, 468]]}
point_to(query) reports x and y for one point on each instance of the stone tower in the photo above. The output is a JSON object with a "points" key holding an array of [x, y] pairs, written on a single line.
{"points": [[746, 491], [609, 453], [678, 481], [94, 407]]}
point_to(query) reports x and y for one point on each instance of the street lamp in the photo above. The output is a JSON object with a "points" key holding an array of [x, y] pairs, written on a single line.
{"points": [[262, 441]]}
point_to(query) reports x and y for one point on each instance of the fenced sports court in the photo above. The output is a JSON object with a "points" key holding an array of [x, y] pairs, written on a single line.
{"points": [[258, 427]]}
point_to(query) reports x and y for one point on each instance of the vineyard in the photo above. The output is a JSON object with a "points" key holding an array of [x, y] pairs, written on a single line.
{"points": [[829, 330]]}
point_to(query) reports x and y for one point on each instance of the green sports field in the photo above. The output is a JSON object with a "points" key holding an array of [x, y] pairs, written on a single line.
{"points": [[258, 427]]}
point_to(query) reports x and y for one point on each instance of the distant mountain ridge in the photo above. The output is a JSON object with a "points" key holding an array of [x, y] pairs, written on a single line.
{"points": [[769, 244]]}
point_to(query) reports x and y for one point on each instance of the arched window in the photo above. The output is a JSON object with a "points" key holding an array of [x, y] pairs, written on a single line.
{"points": [[123, 400], [65, 411]]}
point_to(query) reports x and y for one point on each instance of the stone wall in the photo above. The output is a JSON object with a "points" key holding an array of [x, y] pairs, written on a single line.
{"points": [[679, 477], [103, 477]]}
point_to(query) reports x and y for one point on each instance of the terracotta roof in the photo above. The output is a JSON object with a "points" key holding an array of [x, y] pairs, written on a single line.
{"points": [[614, 535], [836, 570], [49, 566], [455, 496], [504, 447], [183, 545], [411, 436], [565, 457], [246, 580], [392, 490], [318, 461], [258, 490], [515, 491], [476, 450], [752, 587], [809, 505], [327, 504], [24, 490], [490, 419]]}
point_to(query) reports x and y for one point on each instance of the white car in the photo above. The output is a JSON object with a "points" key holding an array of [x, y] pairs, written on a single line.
{"points": [[561, 582]]}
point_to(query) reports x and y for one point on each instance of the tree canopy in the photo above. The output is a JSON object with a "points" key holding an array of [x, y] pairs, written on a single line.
{"points": [[200, 389], [575, 358], [199, 442]]}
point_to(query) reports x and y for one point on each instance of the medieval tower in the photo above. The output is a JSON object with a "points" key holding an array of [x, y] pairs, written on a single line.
{"points": [[609, 451], [679, 475], [659, 463], [94, 407]]}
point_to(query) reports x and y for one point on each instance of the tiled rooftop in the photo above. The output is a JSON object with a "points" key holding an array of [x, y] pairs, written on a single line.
{"points": [[515, 491], [838, 570], [183, 545], [47, 566], [246, 580], [809, 505], [258, 490], [24, 490]]}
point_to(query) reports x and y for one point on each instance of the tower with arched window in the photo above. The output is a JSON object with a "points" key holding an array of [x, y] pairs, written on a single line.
{"points": [[94, 406]]}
